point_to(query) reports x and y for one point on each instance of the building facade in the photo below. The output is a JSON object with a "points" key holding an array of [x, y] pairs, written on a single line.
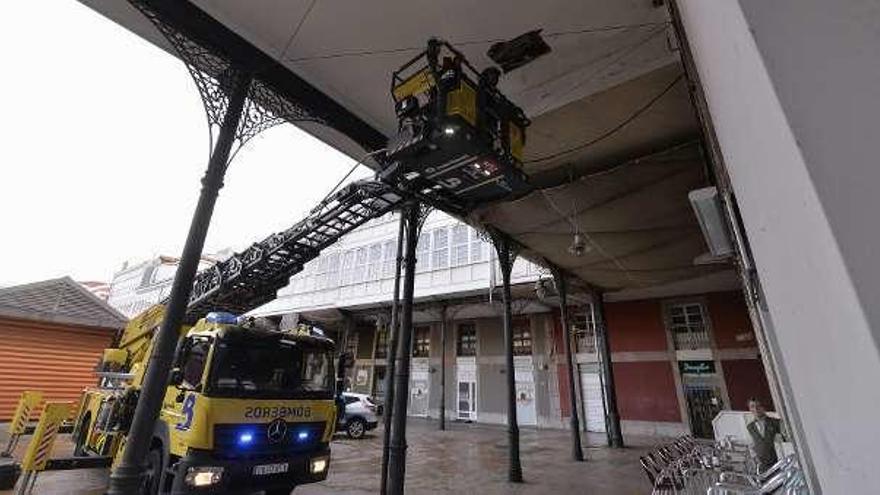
{"points": [[679, 356], [137, 286]]}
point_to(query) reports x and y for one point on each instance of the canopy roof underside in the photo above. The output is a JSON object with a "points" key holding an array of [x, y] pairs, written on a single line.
{"points": [[614, 142]]}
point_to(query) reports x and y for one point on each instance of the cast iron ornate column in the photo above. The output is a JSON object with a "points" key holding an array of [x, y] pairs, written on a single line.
{"points": [[561, 285], [393, 334], [239, 106], [615, 437], [506, 256], [127, 476], [415, 215]]}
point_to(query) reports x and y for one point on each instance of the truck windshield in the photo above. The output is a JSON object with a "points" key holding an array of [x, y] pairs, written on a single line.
{"points": [[278, 369]]}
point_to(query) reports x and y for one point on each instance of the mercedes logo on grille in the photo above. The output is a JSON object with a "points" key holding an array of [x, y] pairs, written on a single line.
{"points": [[276, 431]]}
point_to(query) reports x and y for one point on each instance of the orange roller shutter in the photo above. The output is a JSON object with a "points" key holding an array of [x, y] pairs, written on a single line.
{"points": [[55, 359]]}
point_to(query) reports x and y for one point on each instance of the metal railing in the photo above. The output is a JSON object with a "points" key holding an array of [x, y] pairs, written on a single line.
{"points": [[691, 339]]}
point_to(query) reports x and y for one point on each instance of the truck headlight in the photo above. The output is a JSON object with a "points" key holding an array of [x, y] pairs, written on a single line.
{"points": [[319, 465], [203, 475]]}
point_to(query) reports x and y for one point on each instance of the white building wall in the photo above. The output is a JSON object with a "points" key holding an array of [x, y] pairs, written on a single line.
{"points": [[359, 269], [793, 88], [136, 287]]}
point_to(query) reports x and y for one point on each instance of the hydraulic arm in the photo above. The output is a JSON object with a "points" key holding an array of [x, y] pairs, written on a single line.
{"points": [[251, 278]]}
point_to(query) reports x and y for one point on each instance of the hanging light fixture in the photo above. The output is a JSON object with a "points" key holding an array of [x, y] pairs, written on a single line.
{"points": [[578, 245]]}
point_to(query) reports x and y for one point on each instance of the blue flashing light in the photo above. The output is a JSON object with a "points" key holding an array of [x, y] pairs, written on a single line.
{"points": [[302, 436], [222, 318], [245, 438]]}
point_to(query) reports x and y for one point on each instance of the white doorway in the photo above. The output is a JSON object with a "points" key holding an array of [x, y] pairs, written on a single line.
{"points": [[524, 376], [467, 401], [466, 389], [594, 405], [419, 386]]}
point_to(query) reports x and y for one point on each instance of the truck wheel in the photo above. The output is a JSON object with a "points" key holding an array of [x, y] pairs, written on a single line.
{"points": [[153, 474], [356, 428]]}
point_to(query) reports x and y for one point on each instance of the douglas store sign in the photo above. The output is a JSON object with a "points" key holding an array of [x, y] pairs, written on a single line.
{"points": [[696, 367]]}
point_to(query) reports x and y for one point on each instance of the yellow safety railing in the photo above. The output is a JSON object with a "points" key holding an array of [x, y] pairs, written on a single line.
{"points": [[40, 447], [18, 425]]}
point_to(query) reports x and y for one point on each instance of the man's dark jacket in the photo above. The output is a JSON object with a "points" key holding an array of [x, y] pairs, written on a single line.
{"points": [[764, 445]]}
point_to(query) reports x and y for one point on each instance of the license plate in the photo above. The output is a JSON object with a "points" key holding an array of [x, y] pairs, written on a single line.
{"points": [[264, 469]]}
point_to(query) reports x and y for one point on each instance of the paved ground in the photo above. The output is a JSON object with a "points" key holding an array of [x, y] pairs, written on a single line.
{"points": [[465, 458]]}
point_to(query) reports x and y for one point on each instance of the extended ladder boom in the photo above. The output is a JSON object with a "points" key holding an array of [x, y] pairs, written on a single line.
{"points": [[252, 278]]}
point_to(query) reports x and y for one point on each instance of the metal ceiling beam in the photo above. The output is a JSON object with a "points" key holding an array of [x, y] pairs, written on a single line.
{"points": [[187, 18]]}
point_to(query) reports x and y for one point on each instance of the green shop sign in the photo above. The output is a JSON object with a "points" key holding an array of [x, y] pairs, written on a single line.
{"points": [[697, 367]]}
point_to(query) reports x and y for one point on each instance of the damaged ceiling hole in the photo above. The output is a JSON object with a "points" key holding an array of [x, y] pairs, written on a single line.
{"points": [[519, 51]]}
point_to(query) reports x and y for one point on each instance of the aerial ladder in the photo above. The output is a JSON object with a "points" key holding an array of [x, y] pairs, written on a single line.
{"points": [[249, 406], [217, 433]]}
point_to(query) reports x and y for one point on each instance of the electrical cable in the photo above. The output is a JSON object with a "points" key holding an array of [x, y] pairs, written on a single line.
{"points": [[346, 176], [620, 266], [614, 129], [295, 33], [386, 51]]}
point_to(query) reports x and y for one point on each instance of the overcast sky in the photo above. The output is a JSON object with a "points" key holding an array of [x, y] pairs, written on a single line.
{"points": [[103, 141]]}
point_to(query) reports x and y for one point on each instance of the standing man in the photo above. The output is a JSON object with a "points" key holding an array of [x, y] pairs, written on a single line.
{"points": [[763, 431]]}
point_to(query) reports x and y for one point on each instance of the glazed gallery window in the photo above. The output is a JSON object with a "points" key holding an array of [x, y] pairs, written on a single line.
{"points": [[423, 252], [477, 247], [440, 256], [374, 270], [466, 343], [460, 245], [421, 341], [389, 249]]}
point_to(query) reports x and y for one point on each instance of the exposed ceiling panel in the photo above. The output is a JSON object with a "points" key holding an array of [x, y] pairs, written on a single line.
{"points": [[610, 91], [636, 218], [643, 115], [349, 49]]}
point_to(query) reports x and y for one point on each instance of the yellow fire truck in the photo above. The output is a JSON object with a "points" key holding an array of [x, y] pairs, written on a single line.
{"points": [[248, 407]]}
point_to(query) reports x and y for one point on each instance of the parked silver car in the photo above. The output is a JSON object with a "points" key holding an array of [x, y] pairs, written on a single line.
{"points": [[360, 415]]}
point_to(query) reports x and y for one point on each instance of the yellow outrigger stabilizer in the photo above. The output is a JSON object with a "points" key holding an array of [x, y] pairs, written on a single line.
{"points": [[37, 457], [19, 424]]}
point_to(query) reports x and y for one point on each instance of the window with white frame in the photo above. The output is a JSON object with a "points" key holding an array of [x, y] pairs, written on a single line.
{"points": [[389, 249], [522, 337], [687, 322], [477, 247], [308, 276], [466, 344], [346, 268], [333, 270], [460, 245], [375, 262], [584, 323], [360, 264], [421, 341], [423, 251], [440, 254], [320, 273]]}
